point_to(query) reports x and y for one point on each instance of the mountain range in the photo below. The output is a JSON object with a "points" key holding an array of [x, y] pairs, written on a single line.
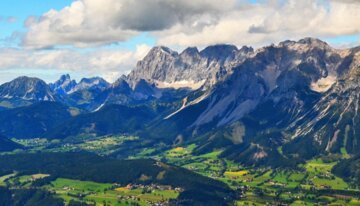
{"points": [[278, 105]]}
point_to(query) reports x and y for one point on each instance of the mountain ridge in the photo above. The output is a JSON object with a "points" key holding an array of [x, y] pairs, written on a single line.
{"points": [[300, 96]]}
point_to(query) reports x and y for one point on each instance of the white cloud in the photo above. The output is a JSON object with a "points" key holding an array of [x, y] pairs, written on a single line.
{"points": [[108, 63], [192, 22], [97, 22], [272, 22]]}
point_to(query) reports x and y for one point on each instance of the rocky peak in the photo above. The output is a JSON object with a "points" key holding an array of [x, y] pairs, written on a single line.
{"points": [[190, 68], [64, 85], [246, 49], [305, 44], [190, 52], [64, 78], [312, 41], [219, 51], [159, 51], [121, 83], [93, 80], [26, 88]]}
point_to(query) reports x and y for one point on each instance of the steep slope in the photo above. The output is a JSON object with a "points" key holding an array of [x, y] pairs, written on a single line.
{"points": [[264, 96], [333, 124], [32, 121], [6, 145], [162, 75], [89, 93], [143, 93], [63, 86], [111, 119], [349, 170], [24, 91]]}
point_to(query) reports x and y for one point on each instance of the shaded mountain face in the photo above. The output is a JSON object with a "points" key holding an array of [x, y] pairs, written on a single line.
{"points": [[143, 93], [94, 83], [333, 123], [66, 85], [349, 169], [34, 120], [189, 69], [88, 94], [112, 119], [24, 91], [7, 145]]}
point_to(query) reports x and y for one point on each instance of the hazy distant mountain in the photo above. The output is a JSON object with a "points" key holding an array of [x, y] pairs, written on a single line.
{"points": [[112, 119], [34, 120], [24, 91], [94, 83], [64, 85]]}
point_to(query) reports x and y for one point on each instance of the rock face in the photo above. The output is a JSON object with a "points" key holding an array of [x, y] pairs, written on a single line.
{"points": [[94, 83], [333, 123], [189, 69], [64, 85], [301, 96], [276, 73], [25, 90]]}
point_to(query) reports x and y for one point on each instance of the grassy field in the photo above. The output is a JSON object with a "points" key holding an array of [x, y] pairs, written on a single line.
{"points": [[307, 185], [6, 177], [20, 180], [100, 145], [304, 186], [320, 176], [99, 193]]}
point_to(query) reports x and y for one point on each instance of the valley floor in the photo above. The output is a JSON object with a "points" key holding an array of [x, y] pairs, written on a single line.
{"points": [[311, 184]]}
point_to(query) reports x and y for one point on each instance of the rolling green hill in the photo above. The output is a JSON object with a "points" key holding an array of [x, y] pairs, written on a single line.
{"points": [[32, 121], [198, 190], [112, 119]]}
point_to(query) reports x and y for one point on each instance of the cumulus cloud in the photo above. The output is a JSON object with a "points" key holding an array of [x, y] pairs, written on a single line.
{"points": [[271, 22], [96, 22], [108, 63], [347, 1], [192, 22]]}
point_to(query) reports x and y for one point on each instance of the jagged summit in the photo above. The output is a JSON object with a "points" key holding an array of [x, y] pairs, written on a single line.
{"points": [[91, 83], [64, 85], [157, 50], [189, 69]]}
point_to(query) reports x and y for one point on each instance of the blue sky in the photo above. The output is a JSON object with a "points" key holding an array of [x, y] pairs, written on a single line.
{"points": [[107, 37], [22, 9]]}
